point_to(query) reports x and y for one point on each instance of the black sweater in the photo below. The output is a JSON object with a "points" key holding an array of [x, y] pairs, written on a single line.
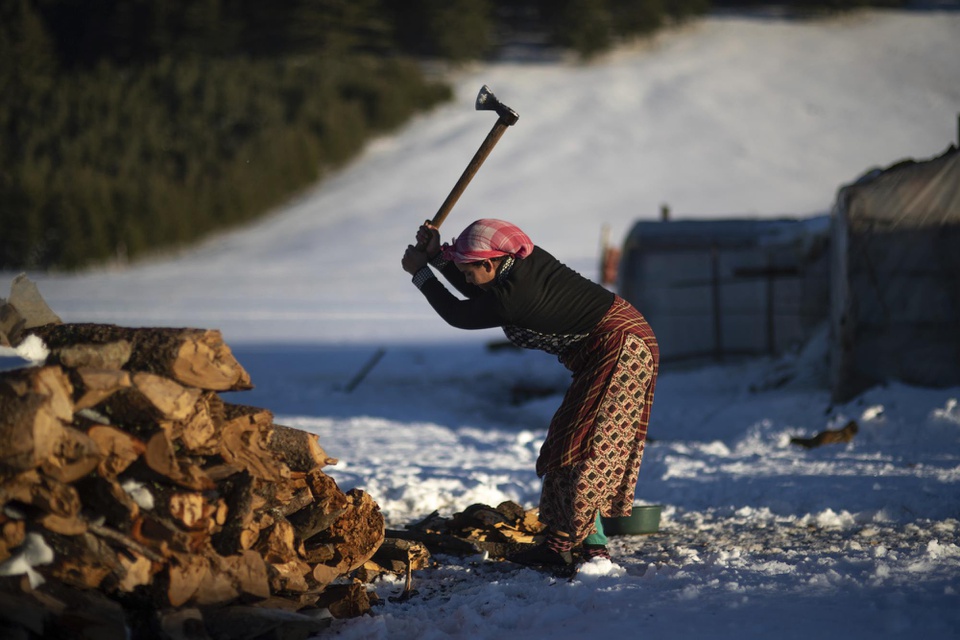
{"points": [[539, 293]]}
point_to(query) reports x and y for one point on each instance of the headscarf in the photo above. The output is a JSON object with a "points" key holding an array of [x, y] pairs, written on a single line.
{"points": [[488, 238]]}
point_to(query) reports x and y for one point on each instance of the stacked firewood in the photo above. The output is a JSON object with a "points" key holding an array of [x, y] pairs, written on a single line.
{"points": [[133, 494], [479, 529]]}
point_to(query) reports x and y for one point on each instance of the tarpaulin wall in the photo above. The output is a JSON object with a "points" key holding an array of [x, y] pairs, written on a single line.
{"points": [[895, 277]]}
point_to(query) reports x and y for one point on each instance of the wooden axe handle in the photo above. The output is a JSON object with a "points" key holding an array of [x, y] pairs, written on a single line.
{"points": [[491, 140]]}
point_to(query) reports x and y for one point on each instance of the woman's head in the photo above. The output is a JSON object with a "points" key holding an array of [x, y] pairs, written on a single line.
{"points": [[488, 239], [481, 273]]}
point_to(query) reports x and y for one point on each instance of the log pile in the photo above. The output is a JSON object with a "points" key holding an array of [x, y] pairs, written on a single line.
{"points": [[134, 497], [479, 529]]}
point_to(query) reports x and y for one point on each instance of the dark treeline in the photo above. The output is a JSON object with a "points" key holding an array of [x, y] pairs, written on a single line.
{"points": [[133, 125]]}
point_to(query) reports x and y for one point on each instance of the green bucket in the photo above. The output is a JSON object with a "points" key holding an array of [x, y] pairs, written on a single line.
{"points": [[643, 519]]}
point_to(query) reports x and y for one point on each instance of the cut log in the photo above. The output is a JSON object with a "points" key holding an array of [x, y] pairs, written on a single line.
{"points": [[164, 537], [245, 446], [35, 405], [149, 400], [200, 433], [12, 533], [194, 357], [237, 491], [84, 561], [479, 516], [324, 574], [397, 557], [184, 575], [190, 510], [41, 491], [319, 553], [292, 576], [103, 356], [64, 525], [93, 386], [104, 497], [251, 430], [531, 521], [246, 415], [119, 449], [75, 455], [261, 521], [253, 506], [160, 455], [278, 544], [289, 602], [211, 579], [128, 544], [837, 436], [250, 572], [329, 504], [439, 542], [285, 498], [218, 586], [406, 552], [299, 449], [346, 600], [359, 532]]}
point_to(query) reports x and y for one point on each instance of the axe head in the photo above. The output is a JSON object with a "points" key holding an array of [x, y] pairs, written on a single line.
{"points": [[486, 101]]}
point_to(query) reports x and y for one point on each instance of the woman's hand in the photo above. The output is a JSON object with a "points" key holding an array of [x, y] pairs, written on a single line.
{"points": [[428, 237], [413, 259]]}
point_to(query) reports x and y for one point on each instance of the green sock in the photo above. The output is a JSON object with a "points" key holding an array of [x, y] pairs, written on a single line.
{"points": [[597, 538]]}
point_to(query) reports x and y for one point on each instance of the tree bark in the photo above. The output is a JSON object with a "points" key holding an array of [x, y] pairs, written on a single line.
{"points": [[299, 449]]}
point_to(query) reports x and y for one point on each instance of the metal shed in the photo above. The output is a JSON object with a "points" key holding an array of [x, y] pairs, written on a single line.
{"points": [[731, 287]]}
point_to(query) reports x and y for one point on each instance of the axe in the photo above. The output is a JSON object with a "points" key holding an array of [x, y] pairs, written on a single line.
{"points": [[486, 101]]}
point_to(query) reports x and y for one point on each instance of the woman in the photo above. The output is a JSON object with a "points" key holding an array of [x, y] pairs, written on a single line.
{"points": [[591, 456]]}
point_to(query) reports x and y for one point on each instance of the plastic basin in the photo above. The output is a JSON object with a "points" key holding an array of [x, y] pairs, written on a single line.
{"points": [[643, 519]]}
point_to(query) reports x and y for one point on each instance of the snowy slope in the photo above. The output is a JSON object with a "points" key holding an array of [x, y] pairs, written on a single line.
{"points": [[726, 116]]}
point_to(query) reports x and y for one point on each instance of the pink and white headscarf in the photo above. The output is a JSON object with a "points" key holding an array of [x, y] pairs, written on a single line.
{"points": [[488, 238]]}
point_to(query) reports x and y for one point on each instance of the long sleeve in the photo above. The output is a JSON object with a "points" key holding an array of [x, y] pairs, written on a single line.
{"points": [[455, 277], [480, 312], [538, 293]]}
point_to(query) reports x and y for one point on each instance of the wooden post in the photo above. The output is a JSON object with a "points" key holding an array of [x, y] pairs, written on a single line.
{"points": [[367, 368], [717, 307], [771, 324]]}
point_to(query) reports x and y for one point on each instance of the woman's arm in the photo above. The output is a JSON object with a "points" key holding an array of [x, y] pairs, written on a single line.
{"points": [[479, 312], [429, 251], [455, 277]]}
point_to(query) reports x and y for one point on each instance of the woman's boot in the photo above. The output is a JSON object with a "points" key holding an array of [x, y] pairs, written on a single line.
{"points": [[552, 552]]}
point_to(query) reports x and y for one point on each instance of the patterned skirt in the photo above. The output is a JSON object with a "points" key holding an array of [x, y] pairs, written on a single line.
{"points": [[591, 457]]}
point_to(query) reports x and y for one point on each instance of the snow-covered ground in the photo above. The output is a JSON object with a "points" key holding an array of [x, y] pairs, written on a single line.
{"points": [[760, 538]]}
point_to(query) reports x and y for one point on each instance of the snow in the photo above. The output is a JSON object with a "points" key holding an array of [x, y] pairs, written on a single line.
{"points": [[29, 352], [33, 552], [731, 115]]}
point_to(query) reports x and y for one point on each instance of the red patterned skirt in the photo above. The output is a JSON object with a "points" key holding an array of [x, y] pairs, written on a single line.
{"points": [[591, 457]]}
